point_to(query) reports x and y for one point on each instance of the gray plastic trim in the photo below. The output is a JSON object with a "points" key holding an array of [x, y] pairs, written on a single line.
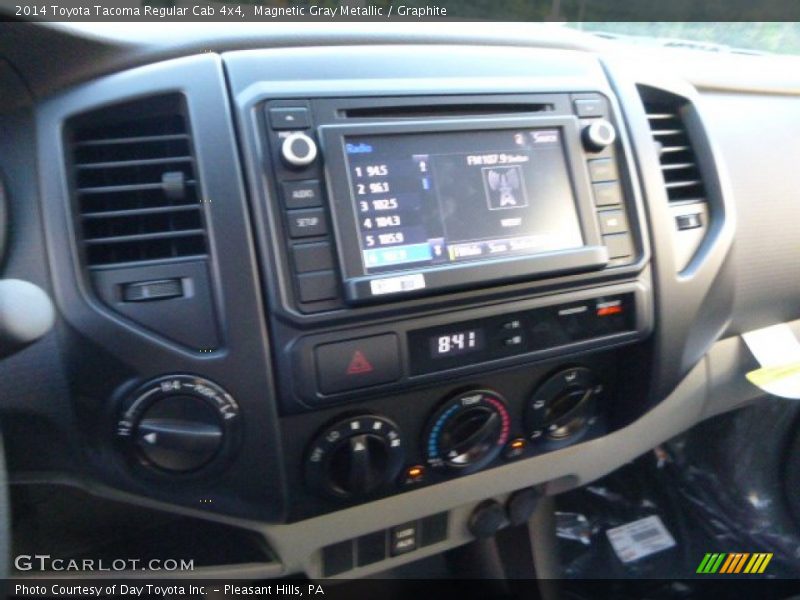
{"points": [[693, 305], [242, 367], [5, 516], [298, 544], [26, 314]]}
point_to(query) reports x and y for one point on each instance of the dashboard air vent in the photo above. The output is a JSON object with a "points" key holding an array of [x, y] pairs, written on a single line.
{"points": [[666, 117], [134, 183]]}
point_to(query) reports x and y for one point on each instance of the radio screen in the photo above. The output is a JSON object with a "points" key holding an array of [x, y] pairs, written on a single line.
{"points": [[442, 198]]}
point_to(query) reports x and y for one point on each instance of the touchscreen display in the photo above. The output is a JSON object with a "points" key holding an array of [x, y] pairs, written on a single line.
{"points": [[443, 198]]}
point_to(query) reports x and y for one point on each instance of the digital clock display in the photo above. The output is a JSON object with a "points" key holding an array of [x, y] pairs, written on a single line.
{"points": [[456, 342]]}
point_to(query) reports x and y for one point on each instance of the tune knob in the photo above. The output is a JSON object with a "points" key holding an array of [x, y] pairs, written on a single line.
{"points": [[178, 424], [298, 150], [598, 135], [354, 457], [563, 405], [468, 431]]}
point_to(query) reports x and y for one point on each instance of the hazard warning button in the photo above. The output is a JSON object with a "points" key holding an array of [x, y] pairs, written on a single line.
{"points": [[344, 366]]}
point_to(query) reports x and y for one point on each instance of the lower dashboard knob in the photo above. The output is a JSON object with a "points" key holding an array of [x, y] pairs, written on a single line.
{"points": [[487, 519], [179, 433], [468, 431], [355, 457], [522, 504], [178, 424]]}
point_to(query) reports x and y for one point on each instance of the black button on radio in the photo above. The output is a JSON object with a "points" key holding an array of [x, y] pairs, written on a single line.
{"points": [[307, 223], [289, 118], [312, 257], [602, 169], [612, 221], [302, 194], [590, 107], [315, 287], [618, 244], [607, 193], [344, 366]]}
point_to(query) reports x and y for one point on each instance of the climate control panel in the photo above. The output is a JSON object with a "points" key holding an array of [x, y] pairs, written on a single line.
{"points": [[427, 437]]}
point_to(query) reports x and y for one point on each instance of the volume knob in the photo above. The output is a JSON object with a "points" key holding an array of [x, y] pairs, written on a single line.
{"points": [[599, 135], [298, 150]]}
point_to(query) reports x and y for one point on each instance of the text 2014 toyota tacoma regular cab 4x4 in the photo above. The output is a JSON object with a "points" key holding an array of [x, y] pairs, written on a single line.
{"points": [[284, 304]]}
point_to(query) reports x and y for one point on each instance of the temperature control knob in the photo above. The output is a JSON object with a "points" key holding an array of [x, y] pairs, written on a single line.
{"points": [[355, 457], [598, 135], [563, 405], [298, 150], [468, 431], [178, 424]]}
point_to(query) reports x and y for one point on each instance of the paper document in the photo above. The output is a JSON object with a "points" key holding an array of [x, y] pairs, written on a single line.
{"points": [[777, 350]]}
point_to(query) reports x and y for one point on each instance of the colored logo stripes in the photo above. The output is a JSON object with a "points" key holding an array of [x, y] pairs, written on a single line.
{"points": [[734, 562]]}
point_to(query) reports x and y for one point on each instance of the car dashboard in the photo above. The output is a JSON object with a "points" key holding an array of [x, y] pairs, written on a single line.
{"points": [[351, 292]]}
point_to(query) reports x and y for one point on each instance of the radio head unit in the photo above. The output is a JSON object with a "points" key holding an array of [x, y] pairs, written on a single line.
{"points": [[426, 205]]}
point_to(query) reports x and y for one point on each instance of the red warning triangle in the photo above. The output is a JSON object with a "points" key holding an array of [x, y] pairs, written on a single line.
{"points": [[359, 364]]}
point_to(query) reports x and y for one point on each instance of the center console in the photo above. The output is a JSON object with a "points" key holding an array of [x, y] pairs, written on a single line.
{"points": [[451, 275], [352, 296], [408, 282]]}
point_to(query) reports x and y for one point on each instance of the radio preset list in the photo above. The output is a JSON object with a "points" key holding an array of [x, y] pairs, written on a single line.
{"points": [[425, 199], [442, 206]]}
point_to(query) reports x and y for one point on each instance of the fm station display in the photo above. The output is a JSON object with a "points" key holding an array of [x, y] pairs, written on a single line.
{"points": [[441, 198]]}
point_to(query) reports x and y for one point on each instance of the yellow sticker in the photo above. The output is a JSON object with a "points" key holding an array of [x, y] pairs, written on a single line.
{"points": [[767, 375]]}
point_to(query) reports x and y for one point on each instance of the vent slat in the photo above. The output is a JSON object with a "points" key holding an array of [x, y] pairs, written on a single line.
{"points": [[132, 140], [162, 235], [135, 188], [665, 114], [665, 132], [118, 164], [113, 189], [682, 184], [135, 212], [668, 149], [677, 166]]}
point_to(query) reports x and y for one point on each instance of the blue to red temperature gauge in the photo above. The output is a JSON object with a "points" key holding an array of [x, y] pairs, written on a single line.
{"points": [[468, 431]]}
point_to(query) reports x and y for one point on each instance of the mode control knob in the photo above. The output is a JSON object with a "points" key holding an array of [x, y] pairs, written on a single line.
{"points": [[598, 135], [563, 406], [468, 431], [178, 424], [354, 457], [298, 150]]}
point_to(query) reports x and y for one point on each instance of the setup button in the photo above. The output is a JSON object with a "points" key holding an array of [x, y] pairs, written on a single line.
{"points": [[344, 366]]}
